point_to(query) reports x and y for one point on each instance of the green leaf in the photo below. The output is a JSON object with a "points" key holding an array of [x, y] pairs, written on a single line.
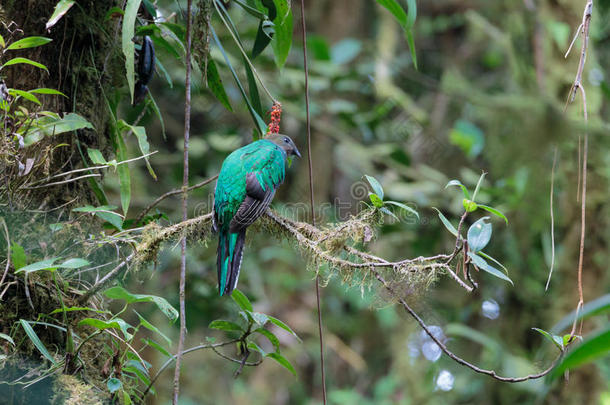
{"points": [[483, 265], [156, 346], [257, 348], [406, 21], [90, 208], [7, 338], [493, 211], [114, 384], [36, 340], [24, 94], [124, 173], [375, 185], [488, 257], [18, 256], [282, 40], [260, 318], [140, 133], [61, 8], [459, 184], [27, 61], [29, 42], [270, 336], [241, 300], [128, 46], [479, 234], [387, 211], [72, 309], [282, 361], [446, 222], [377, 202], [96, 156], [266, 30], [44, 90], [215, 85], [49, 126], [99, 323], [396, 10], [476, 190], [152, 328], [119, 293], [225, 325], [282, 325], [261, 127], [48, 264], [2, 43], [403, 206], [74, 263], [593, 347], [557, 341]]}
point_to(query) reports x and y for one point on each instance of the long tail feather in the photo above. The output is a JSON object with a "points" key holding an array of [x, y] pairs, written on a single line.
{"points": [[228, 263], [236, 258]]}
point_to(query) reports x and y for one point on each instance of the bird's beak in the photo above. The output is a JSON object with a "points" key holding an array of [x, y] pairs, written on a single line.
{"points": [[296, 152]]}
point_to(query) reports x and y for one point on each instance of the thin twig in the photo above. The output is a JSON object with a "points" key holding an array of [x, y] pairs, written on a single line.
{"points": [[311, 196], [449, 353], [185, 183], [101, 283], [171, 193], [548, 281], [583, 31], [61, 182], [171, 359]]}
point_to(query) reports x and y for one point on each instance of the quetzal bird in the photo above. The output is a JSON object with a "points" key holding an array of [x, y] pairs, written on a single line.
{"points": [[245, 187]]}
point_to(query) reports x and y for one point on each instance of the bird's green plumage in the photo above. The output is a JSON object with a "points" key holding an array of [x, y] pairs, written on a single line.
{"points": [[266, 161]]}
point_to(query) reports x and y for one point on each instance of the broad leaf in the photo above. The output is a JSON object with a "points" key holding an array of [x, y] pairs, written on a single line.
{"points": [[241, 300], [225, 325], [404, 207], [282, 325], [459, 184], [36, 340], [446, 222], [600, 305], [114, 384], [48, 264], [29, 42], [375, 185], [16, 61], [282, 361], [479, 234], [282, 40], [61, 8], [119, 293], [270, 336], [51, 125], [483, 265], [215, 85], [494, 211], [128, 46], [557, 341]]}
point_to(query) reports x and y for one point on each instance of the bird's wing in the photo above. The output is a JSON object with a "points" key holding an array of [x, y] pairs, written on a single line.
{"points": [[262, 180], [258, 198]]}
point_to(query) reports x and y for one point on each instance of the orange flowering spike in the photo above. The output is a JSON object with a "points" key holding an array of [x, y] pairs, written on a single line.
{"points": [[276, 115]]}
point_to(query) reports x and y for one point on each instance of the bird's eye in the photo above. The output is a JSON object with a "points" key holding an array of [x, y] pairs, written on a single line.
{"points": [[286, 140]]}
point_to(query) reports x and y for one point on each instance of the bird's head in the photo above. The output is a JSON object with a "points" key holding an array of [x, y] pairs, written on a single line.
{"points": [[286, 143]]}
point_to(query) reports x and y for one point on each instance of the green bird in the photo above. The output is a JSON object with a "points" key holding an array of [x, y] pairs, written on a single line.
{"points": [[247, 182]]}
